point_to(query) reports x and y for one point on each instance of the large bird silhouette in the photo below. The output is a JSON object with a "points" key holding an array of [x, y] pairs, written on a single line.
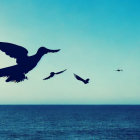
{"points": [[52, 74], [81, 79], [25, 63]]}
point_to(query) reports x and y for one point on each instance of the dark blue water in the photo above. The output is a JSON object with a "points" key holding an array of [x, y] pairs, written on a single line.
{"points": [[69, 122]]}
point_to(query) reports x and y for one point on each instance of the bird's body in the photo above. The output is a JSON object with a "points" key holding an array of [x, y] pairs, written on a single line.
{"points": [[81, 79], [24, 63], [119, 70], [52, 74]]}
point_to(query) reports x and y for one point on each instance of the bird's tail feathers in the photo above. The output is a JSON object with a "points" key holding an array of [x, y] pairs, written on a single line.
{"points": [[16, 78]]}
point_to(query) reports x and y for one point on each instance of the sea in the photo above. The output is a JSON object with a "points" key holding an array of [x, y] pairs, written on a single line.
{"points": [[69, 122]]}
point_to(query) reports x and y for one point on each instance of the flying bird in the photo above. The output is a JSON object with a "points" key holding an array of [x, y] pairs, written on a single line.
{"points": [[24, 64], [81, 79], [52, 74], [119, 70]]}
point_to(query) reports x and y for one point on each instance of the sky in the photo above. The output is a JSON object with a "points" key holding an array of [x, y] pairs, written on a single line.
{"points": [[95, 37]]}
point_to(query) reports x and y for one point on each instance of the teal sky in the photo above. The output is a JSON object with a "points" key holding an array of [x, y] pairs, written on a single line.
{"points": [[95, 37]]}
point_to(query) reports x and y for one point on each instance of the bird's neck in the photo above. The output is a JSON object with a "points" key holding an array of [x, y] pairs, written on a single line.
{"points": [[38, 56], [33, 61]]}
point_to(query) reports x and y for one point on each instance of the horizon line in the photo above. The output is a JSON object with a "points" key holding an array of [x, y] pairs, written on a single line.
{"points": [[72, 104]]}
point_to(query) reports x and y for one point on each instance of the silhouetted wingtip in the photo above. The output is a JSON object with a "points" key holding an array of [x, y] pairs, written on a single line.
{"points": [[57, 50]]}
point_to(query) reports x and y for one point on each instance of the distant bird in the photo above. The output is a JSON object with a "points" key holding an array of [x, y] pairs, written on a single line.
{"points": [[25, 63], [52, 74], [119, 70], [81, 79]]}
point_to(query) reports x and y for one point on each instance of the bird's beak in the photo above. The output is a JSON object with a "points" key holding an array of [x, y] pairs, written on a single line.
{"points": [[56, 50], [52, 51]]}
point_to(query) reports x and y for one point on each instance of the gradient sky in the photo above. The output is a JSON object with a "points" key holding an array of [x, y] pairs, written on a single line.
{"points": [[95, 37]]}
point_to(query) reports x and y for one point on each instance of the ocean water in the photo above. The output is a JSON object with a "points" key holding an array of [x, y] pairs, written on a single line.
{"points": [[69, 122]]}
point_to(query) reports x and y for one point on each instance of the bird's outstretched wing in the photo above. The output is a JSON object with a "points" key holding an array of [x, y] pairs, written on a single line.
{"points": [[14, 51], [48, 77], [6, 72], [60, 72], [78, 77], [12, 74]]}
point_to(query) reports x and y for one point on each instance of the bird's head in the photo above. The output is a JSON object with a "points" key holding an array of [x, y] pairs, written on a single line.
{"points": [[87, 80], [43, 50]]}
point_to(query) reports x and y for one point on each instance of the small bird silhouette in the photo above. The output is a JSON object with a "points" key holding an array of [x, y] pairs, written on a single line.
{"points": [[52, 74], [119, 70], [25, 63], [81, 79]]}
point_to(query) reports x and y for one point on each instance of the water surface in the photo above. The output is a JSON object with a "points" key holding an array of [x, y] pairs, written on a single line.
{"points": [[69, 122]]}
